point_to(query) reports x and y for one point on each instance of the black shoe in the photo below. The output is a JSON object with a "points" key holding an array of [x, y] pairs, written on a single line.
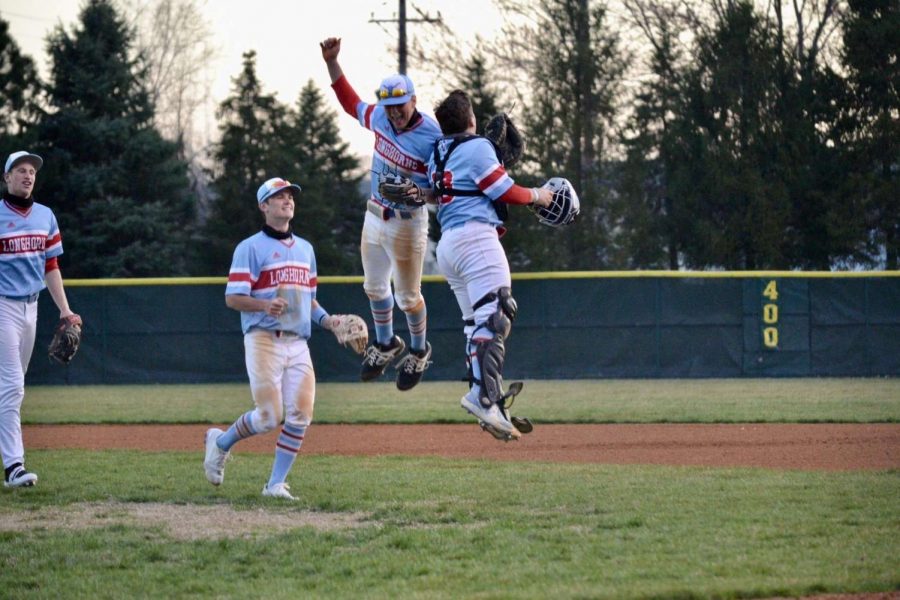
{"points": [[411, 368], [378, 357]]}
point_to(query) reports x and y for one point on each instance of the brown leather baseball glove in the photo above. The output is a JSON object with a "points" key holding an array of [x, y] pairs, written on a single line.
{"points": [[66, 339], [350, 331]]}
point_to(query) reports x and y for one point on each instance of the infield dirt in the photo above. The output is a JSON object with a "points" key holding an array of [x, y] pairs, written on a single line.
{"points": [[831, 447]]}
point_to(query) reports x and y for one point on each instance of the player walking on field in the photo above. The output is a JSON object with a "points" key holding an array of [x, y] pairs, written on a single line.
{"points": [[394, 236], [468, 180], [30, 245], [272, 282]]}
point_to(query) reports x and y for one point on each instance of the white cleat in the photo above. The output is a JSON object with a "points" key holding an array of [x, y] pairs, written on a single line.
{"points": [[214, 464], [19, 477], [278, 490], [491, 419]]}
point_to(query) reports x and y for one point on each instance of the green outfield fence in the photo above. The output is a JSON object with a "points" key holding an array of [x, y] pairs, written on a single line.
{"points": [[644, 324]]}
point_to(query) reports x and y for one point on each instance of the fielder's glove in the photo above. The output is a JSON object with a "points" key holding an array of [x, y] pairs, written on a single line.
{"points": [[350, 331], [401, 190], [66, 339], [505, 135]]}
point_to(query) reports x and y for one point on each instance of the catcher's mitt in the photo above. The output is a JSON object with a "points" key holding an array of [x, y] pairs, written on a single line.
{"points": [[401, 191], [66, 339], [350, 331], [505, 135]]}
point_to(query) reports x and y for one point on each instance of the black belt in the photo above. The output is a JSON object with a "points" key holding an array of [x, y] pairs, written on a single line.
{"points": [[386, 213], [281, 333], [25, 299]]}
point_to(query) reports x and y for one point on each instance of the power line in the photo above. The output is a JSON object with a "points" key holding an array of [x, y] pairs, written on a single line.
{"points": [[401, 21], [29, 17]]}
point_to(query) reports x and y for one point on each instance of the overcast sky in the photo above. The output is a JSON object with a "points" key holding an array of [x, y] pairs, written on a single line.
{"points": [[285, 35]]}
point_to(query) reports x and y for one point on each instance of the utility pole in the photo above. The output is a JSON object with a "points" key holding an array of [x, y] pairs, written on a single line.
{"points": [[401, 21]]}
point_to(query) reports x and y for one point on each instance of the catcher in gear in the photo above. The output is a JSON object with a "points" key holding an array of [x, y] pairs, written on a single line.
{"points": [[272, 283], [469, 180], [33, 245], [66, 339]]}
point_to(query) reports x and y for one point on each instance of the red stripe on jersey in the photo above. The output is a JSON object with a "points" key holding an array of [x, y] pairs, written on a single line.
{"points": [[22, 244], [491, 178], [290, 274], [51, 265], [391, 153], [240, 277], [367, 118], [54, 240]]}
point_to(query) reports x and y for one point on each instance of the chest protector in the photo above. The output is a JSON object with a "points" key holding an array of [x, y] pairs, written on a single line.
{"points": [[441, 162]]}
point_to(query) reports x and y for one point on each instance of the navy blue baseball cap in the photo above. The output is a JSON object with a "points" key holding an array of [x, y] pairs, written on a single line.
{"points": [[273, 186], [22, 156], [395, 89]]}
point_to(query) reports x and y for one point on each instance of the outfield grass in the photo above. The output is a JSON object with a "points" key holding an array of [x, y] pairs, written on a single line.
{"points": [[437, 528], [588, 401], [442, 528]]}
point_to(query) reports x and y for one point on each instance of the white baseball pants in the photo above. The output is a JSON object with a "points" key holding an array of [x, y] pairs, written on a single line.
{"points": [[395, 248], [282, 379], [18, 322]]}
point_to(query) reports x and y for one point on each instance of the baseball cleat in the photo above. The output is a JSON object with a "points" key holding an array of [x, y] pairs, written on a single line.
{"points": [[19, 477], [491, 419], [379, 356], [500, 435], [411, 368], [214, 463], [278, 490]]}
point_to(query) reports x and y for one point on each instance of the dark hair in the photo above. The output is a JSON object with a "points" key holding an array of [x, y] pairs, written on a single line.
{"points": [[453, 113]]}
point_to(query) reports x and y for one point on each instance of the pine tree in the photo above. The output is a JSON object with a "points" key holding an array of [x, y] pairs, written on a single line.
{"points": [[872, 140], [19, 89], [106, 169], [250, 152], [329, 211], [574, 69]]}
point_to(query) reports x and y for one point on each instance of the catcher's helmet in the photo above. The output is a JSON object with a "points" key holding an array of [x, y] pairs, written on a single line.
{"points": [[564, 207]]}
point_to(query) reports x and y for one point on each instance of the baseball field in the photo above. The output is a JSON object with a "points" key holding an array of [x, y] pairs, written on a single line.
{"points": [[757, 488]]}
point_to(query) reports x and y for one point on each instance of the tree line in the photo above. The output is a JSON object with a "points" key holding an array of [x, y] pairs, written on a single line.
{"points": [[709, 135]]}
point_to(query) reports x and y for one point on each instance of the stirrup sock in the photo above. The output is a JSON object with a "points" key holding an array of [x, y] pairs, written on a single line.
{"points": [[286, 449]]}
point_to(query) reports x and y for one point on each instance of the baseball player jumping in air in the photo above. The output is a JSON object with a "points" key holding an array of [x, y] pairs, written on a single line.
{"points": [[30, 245], [394, 236], [272, 282], [468, 180]]}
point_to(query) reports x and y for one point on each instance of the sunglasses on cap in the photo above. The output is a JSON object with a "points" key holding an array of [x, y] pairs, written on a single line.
{"points": [[392, 93]]}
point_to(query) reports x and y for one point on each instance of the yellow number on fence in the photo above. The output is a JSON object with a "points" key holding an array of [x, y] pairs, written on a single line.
{"points": [[770, 315]]}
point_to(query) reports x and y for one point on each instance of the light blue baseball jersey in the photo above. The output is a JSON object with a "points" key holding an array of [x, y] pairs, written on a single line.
{"points": [[264, 267], [28, 237], [404, 153], [472, 165]]}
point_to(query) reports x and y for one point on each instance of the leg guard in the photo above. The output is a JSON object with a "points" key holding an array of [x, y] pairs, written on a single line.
{"points": [[491, 353]]}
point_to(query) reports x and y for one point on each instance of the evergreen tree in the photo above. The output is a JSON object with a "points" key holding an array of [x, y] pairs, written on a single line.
{"points": [[479, 89], [19, 90], [642, 209], [328, 213], [105, 165], [574, 73], [250, 152], [872, 139]]}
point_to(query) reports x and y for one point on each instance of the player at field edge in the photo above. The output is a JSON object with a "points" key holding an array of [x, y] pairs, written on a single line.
{"points": [[394, 236], [272, 283], [31, 244], [467, 179]]}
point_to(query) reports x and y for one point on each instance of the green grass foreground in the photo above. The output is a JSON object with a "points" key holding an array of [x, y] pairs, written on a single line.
{"points": [[581, 401], [437, 528]]}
